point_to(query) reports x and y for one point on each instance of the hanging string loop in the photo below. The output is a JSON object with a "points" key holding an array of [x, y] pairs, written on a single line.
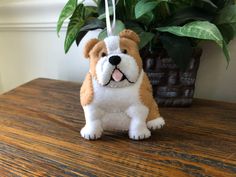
{"points": [[110, 28]]}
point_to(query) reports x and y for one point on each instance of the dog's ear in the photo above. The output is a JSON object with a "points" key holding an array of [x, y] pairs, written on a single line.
{"points": [[89, 46], [130, 35]]}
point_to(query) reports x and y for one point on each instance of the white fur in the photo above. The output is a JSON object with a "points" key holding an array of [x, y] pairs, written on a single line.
{"points": [[121, 106], [93, 128], [156, 123], [127, 66], [117, 105], [104, 70], [138, 127], [112, 44]]}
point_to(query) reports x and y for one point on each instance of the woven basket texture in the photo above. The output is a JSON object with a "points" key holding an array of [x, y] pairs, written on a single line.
{"points": [[171, 86]]}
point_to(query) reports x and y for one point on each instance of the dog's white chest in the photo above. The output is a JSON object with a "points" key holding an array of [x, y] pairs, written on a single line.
{"points": [[115, 102], [117, 99]]}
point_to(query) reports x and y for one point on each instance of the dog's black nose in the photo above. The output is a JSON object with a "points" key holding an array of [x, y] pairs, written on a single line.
{"points": [[114, 60]]}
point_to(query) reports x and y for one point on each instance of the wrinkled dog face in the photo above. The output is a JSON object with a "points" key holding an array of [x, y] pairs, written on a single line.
{"points": [[115, 62], [116, 68]]}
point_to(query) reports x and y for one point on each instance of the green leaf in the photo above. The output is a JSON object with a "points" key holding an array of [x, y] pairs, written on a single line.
{"points": [[67, 11], [219, 3], [223, 3], [101, 6], [174, 46], [199, 30], [90, 11], [130, 8], [134, 26], [119, 27], [226, 52], [145, 6], [103, 16], [176, 5], [196, 29], [205, 4], [103, 34], [182, 3], [227, 15], [226, 21], [123, 11], [80, 37], [228, 31], [186, 15], [77, 25], [93, 24], [145, 38], [147, 18], [73, 29]]}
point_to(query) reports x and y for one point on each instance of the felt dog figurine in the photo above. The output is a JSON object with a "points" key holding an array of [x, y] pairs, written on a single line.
{"points": [[116, 93]]}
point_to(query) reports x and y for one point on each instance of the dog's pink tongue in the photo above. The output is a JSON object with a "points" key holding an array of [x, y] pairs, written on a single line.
{"points": [[117, 75]]}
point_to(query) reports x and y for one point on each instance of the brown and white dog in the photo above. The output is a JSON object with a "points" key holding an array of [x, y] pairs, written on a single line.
{"points": [[116, 93]]}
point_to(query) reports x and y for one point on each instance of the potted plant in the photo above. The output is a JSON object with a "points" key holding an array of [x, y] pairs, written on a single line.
{"points": [[170, 32]]}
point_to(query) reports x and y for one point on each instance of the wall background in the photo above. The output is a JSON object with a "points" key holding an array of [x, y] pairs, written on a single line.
{"points": [[30, 48]]}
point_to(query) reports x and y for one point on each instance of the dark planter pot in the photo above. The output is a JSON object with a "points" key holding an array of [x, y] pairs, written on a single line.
{"points": [[171, 86]]}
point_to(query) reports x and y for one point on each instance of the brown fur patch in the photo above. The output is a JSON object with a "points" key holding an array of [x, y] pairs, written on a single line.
{"points": [[147, 98], [86, 91], [88, 47], [95, 54], [132, 49], [129, 34]]}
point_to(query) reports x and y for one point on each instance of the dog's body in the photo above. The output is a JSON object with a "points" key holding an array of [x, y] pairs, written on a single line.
{"points": [[116, 94]]}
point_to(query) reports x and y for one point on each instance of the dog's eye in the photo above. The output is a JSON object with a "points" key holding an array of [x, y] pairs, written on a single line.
{"points": [[103, 54], [124, 51]]}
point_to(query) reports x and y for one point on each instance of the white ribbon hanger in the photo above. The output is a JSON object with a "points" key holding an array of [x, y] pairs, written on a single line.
{"points": [[110, 29]]}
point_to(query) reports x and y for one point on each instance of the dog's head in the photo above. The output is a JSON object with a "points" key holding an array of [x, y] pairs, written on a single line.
{"points": [[115, 61]]}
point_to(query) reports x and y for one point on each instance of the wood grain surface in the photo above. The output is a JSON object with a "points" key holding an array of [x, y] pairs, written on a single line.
{"points": [[39, 136]]}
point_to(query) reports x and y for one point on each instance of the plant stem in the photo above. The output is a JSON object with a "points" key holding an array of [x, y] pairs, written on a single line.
{"points": [[167, 9]]}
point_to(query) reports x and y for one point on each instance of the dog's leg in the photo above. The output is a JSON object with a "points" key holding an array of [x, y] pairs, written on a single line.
{"points": [[157, 123], [154, 120], [138, 128], [93, 128]]}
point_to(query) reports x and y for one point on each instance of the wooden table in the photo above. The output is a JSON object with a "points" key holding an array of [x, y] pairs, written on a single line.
{"points": [[40, 126]]}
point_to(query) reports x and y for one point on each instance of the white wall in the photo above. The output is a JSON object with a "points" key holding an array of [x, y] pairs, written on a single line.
{"points": [[30, 48], [29, 55], [214, 81]]}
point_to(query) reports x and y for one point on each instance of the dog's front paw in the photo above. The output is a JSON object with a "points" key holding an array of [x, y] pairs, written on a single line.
{"points": [[91, 133], [139, 134], [156, 123]]}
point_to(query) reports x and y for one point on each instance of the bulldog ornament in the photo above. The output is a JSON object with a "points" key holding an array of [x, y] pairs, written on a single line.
{"points": [[116, 93]]}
